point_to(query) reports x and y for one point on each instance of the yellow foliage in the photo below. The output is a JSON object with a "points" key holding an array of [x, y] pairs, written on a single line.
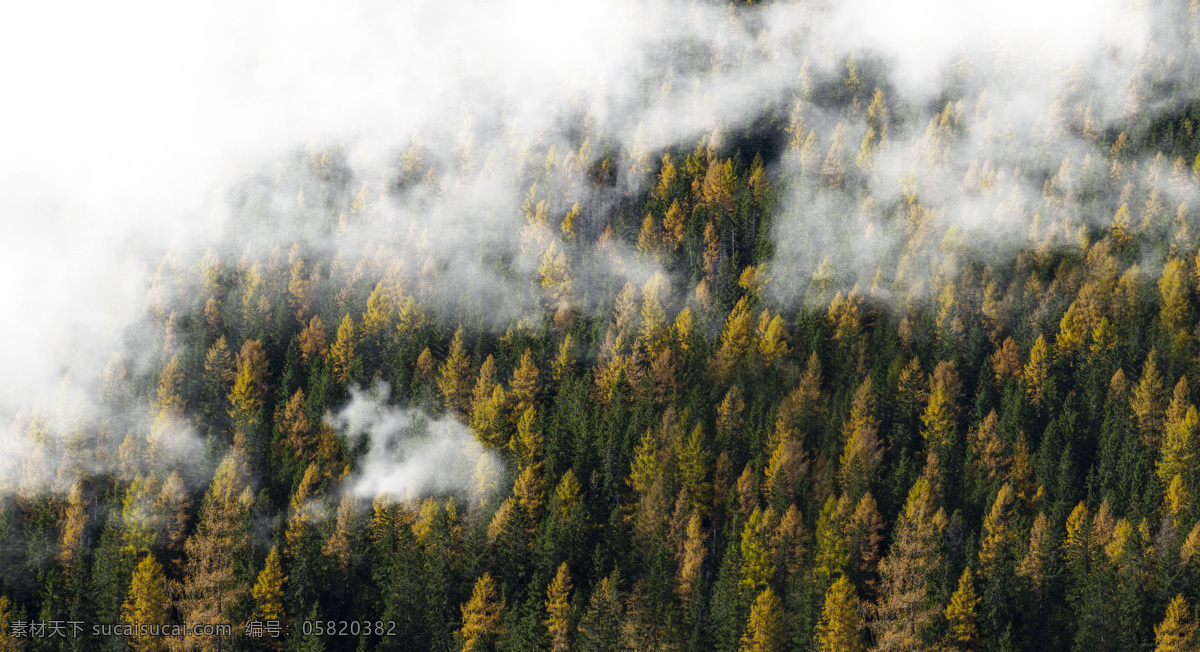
{"points": [[1036, 371], [342, 351], [481, 615], [147, 604], [765, 629], [841, 624], [961, 613], [559, 608], [1177, 632]]}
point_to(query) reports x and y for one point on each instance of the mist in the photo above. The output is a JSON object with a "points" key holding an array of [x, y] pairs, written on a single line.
{"points": [[411, 454], [142, 129]]}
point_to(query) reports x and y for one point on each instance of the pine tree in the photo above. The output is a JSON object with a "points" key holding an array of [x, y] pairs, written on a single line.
{"points": [[600, 627]]}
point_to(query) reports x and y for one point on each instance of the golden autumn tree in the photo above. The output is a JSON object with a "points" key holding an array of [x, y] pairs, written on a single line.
{"points": [[737, 336], [268, 588], [649, 238], [7, 640], [73, 524], [772, 338], [558, 608], [862, 451], [211, 584], [961, 613], [674, 226], [938, 421], [765, 629], [313, 341], [903, 610], [1174, 307], [249, 386], [1179, 447], [296, 429], [997, 533], [147, 604], [454, 375], [301, 517], [1147, 401], [524, 387], [268, 593], [1177, 632], [342, 351], [1035, 372], [481, 615], [841, 626], [691, 559]]}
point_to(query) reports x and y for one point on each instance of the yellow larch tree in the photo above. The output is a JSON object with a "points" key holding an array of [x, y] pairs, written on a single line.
{"points": [[674, 226], [691, 560], [481, 615], [1179, 448], [962, 612], [1036, 370], [765, 629], [147, 604], [524, 386], [454, 376], [268, 591], [558, 608], [342, 351], [1147, 401], [841, 626], [997, 533], [1177, 632], [247, 396]]}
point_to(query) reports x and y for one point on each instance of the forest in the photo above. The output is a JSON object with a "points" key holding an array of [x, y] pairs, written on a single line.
{"points": [[858, 372]]}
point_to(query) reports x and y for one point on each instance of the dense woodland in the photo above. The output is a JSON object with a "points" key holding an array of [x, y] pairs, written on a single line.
{"points": [[706, 430]]}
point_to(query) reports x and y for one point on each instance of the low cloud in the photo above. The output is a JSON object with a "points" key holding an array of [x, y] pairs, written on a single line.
{"points": [[412, 455]]}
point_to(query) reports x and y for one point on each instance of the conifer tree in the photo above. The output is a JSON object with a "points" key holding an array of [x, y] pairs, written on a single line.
{"points": [[558, 608], [962, 612], [482, 615], [1177, 632], [147, 604], [1036, 371], [765, 630], [453, 376], [342, 352], [841, 625]]}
